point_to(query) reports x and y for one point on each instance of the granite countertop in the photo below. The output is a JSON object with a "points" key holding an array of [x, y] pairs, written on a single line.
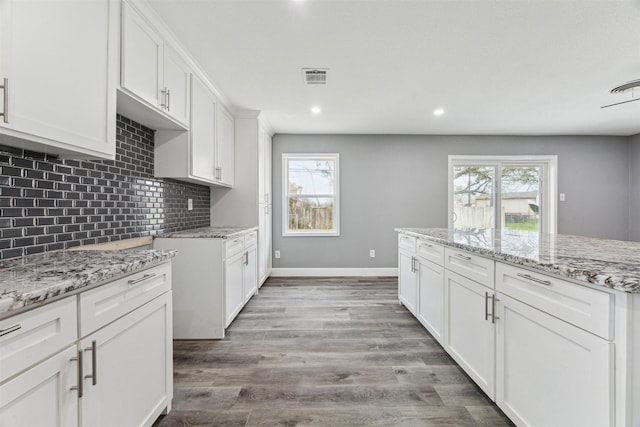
{"points": [[211, 233], [613, 264], [34, 279]]}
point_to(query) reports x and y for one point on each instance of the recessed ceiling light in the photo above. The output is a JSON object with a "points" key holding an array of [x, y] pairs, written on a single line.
{"points": [[438, 112], [316, 110]]}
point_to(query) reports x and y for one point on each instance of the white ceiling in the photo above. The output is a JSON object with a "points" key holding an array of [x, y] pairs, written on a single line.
{"points": [[510, 67]]}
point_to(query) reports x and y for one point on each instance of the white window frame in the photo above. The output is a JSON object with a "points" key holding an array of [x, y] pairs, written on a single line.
{"points": [[285, 194], [548, 187]]}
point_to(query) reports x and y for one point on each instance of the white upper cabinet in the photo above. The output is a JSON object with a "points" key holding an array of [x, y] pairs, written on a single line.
{"points": [[225, 147], [203, 132], [154, 78], [58, 72]]}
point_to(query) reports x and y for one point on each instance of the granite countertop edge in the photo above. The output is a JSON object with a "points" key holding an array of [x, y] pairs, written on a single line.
{"points": [[230, 232], [35, 280], [614, 277]]}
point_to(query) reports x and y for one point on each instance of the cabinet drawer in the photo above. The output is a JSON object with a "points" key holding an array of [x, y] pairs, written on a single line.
{"points": [[407, 242], [251, 239], [107, 303], [234, 246], [32, 336], [471, 266], [431, 251], [584, 307]]}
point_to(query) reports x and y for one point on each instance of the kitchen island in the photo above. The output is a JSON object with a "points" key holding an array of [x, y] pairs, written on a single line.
{"points": [[85, 337], [547, 325], [215, 275]]}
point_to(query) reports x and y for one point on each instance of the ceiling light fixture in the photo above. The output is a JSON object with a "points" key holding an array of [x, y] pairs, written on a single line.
{"points": [[438, 112], [316, 110]]}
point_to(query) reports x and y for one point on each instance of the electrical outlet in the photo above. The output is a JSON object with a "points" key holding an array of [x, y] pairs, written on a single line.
{"points": [[372, 253], [189, 204], [562, 197], [277, 253]]}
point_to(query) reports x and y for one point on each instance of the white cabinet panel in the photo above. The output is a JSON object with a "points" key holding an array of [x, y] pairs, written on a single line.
{"points": [[250, 279], [141, 57], [203, 131], [587, 308], [233, 286], [474, 267], [61, 87], [408, 280], [43, 395], [175, 91], [225, 147], [469, 331], [550, 373], [32, 336], [131, 366], [431, 297]]}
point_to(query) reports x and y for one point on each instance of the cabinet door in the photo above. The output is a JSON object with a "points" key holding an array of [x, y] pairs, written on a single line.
{"points": [[551, 373], [431, 297], [250, 273], [141, 57], [43, 395], [60, 62], [264, 242], [203, 131], [469, 331], [131, 368], [264, 166], [175, 92], [225, 146], [233, 286], [407, 281]]}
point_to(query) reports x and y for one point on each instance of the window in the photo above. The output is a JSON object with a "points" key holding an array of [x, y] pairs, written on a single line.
{"points": [[503, 192], [310, 189]]}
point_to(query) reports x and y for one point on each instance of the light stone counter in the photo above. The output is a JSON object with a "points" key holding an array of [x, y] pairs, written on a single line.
{"points": [[211, 233], [613, 264], [36, 279]]}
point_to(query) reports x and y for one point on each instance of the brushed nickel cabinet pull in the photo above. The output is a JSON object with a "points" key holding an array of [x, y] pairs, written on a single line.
{"points": [[141, 279], [164, 99], [464, 257], [79, 387], [9, 330], [246, 258], [534, 279], [168, 100], [493, 309], [94, 363], [5, 111]]}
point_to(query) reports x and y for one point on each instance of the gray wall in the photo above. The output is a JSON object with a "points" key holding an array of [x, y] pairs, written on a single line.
{"points": [[389, 181], [634, 188]]}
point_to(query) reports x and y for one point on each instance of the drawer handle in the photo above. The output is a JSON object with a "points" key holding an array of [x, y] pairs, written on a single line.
{"points": [[80, 379], [533, 279], [94, 363], [141, 279], [464, 257], [5, 112], [7, 331]]}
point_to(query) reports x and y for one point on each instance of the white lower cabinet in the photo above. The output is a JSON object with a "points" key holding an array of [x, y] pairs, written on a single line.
{"points": [[127, 368], [431, 297], [119, 373], [551, 373], [470, 332], [43, 395], [234, 286], [408, 273], [250, 278]]}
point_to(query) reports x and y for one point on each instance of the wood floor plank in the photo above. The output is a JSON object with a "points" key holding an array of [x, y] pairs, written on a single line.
{"points": [[324, 352]]}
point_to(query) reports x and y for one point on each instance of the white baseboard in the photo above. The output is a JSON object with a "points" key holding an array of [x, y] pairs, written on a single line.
{"points": [[333, 272]]}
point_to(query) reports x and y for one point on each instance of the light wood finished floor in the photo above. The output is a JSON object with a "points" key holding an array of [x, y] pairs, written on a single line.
{"points": [[324, 352]]}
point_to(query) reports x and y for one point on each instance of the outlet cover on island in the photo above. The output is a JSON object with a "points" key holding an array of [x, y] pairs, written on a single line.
{"points": [[277, 253], [189, 204]]}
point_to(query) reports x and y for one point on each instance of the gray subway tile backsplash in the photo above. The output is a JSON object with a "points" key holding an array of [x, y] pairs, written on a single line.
{"points": [[49, 204]]}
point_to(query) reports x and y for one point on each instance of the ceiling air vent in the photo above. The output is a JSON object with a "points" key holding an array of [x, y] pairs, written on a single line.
{"points": [[315, 76], [623, 88]]}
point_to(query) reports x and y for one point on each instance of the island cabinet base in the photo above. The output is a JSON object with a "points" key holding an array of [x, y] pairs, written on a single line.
{"points": [[551, 351]]}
